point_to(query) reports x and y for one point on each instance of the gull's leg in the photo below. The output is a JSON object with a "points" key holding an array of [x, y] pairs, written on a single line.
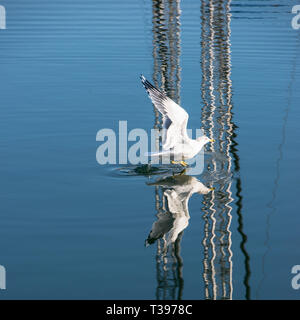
{"points": [[182, 172], [183, 163]]}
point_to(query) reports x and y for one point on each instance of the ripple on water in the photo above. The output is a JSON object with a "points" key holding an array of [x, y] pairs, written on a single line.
{"points": [[144, 170]]}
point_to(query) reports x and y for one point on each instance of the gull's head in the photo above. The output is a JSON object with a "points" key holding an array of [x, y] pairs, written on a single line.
{"points": [[205, 190], [204, 140]]}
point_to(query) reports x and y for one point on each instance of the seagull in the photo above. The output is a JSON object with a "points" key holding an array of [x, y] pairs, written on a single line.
{"points": [[176, 142], [172, 221]]}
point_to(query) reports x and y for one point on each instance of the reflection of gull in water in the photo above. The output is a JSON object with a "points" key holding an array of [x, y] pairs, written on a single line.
{"points": [[177, 192], [176, 141]]}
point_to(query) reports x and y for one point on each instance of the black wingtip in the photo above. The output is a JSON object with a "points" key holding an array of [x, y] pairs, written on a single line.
{"points": [[142, 78], [148, 85]]}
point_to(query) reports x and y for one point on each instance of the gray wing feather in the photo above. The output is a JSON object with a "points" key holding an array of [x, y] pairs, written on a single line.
{"points": [[175, 118]]}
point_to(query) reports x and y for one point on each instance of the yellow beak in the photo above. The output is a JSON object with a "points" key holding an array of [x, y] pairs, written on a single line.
{"points": [[212, 140]]}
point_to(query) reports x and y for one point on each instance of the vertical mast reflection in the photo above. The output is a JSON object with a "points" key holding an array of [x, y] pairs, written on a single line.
{"points": [[166, 75], [216, 93]]}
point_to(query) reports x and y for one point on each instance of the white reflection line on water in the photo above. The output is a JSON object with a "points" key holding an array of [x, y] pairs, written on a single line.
{"points": [[230, 131], [211, 135], [213, 235], [2, 17]]}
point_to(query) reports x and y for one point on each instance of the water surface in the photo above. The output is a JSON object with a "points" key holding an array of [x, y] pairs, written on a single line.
{"points": [[71, 228]]}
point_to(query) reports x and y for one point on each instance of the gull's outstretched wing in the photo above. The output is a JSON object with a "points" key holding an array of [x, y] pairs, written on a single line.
{"points": [[180, 214], [160, 227], [175, 118], [170, 222]]}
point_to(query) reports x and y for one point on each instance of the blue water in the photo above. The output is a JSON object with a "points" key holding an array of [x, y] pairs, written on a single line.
{"points": [[73, 229]]}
